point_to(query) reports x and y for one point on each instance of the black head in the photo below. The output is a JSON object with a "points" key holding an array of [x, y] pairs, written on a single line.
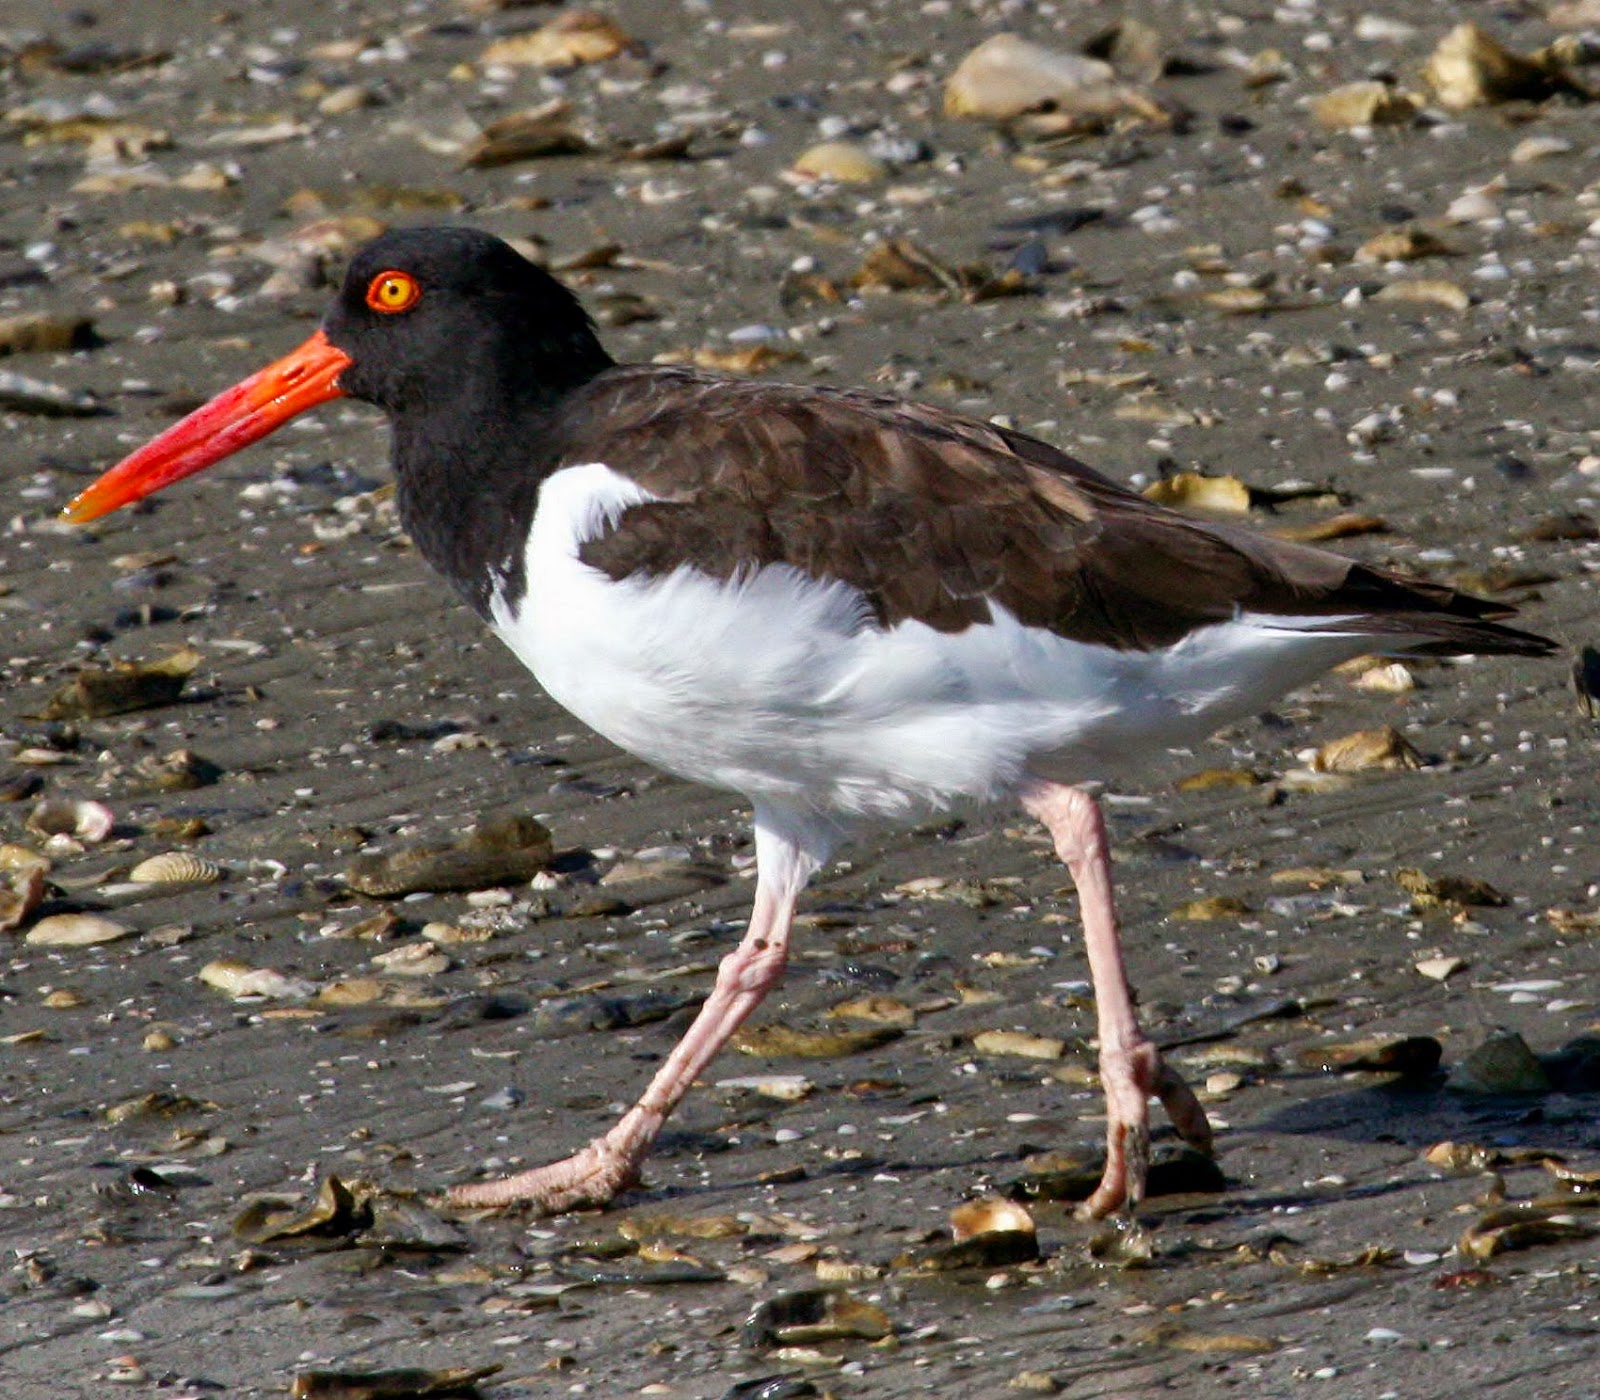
{"points": [[440, 317]]}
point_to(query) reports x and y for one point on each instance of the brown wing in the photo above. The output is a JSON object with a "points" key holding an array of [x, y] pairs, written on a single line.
{"points": [[935, 516]]}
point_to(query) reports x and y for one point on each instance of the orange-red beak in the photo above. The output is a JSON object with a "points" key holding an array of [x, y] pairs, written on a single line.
{"points": [[237, 417]]}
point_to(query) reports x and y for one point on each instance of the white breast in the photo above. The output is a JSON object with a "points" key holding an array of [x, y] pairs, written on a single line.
{"points": [[784, 688]]}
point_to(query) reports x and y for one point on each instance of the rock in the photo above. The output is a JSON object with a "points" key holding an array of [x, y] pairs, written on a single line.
{"points": [[1502, 1064]]}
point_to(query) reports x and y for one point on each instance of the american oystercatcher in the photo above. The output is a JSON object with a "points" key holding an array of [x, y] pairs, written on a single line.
{"points": [[844, 607]]}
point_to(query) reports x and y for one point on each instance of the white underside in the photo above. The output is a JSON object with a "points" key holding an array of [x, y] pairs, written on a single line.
{"points": [[783, 688]]}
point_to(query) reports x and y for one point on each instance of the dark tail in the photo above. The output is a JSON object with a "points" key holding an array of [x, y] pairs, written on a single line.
{"points": [[1435, 619]]}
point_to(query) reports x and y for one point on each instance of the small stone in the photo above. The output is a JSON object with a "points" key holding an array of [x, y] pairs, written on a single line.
{"points": [[1502, 1064], [1440, 969]]}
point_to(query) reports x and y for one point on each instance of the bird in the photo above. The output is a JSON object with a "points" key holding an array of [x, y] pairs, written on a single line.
{"points": [[846, 607]]}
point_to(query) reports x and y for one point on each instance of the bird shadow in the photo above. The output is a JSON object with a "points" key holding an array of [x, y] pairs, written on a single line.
{"points": [[1409, 1113]]}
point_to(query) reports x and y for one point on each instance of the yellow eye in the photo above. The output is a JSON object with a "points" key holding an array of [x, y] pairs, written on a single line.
{"points": [[393, 291]]}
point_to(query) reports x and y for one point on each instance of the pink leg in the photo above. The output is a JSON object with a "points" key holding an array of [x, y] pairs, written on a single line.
{"points": [[610, 1164], [1131, 1068]]}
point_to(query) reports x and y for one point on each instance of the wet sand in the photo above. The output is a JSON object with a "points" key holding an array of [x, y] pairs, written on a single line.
{"points": [[350, 703]]}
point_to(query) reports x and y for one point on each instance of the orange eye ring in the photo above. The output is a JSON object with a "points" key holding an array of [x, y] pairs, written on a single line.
{"points": [[393, 291]]}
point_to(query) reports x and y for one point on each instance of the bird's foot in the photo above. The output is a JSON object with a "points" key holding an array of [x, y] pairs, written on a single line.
{"points": [[593, 1176], [1130, 1077]]}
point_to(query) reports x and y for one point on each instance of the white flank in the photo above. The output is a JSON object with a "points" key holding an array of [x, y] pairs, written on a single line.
{"points": [[782, 687]]}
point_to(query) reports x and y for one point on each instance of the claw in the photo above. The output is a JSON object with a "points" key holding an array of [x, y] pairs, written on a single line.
{"points": [[592, 1177]]}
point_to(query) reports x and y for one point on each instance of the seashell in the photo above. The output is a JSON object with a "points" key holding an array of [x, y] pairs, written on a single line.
{"points": [[1435, 291], [547, 130], [1533, 148], [779, 1041], [567, 41], [1008, 75], [127, 686], [1402, 245], [1225, 495], [33, 332], [23, 894], [413, 960], [1365, 104], [1432, 891], [15, 857], [506, 851], [843, 161], [89, 822], [814, 1315], [1469, 69], [876, 1010], [239, 979], [1211, 907], [1394, 679], [1022, 1043], [74, 931], [1439, 969], [175, 868], [1411, 1056], [786, 1088], [992, 1213], [1384, 748]]}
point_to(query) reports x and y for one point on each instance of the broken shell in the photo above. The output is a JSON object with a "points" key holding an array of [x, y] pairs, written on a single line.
{"points": [[1463, 1158], [781, 1041], [38, 331], [1383, 748], [396, 1383], [1402, 245], [509, 850], [24, 893], [413, 960], [1433, 891], [175, 868], [786, 1088], [239, 979], [1226, 495], [814, 1315], [1210, 779], [1431, 290], [1413, 1056], [1439, 969], [1520, 1226], [182, 770], [877, 1010], [546, 130], [95, 693], [1007, 75], [1028, 1046], [336, 1211], [74, 931], [1216, 906], [1470, 69], [1365, 104], [986, 1216], [567, 41], [90, 822], [1394, 679]]}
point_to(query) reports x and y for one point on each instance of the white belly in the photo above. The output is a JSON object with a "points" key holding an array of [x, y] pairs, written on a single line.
{"points": [[785, 689]]}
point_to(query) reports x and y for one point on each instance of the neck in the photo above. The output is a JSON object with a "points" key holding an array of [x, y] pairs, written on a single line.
{"points": [[468, 473]]}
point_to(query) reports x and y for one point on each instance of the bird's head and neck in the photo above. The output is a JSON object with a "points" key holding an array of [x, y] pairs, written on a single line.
{"points": [[467, 347]]}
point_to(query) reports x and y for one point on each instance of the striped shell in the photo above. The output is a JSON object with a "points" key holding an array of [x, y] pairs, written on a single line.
{"points": [[175, 868]]}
